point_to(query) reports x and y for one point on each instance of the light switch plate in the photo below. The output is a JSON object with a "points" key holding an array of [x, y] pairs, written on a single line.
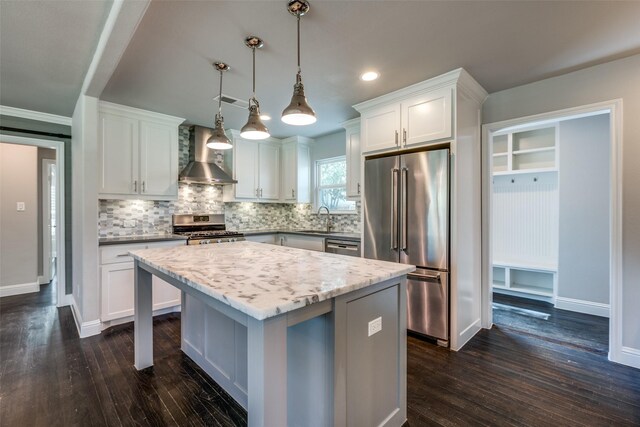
{"points": [[20, 207], [375, 326]]}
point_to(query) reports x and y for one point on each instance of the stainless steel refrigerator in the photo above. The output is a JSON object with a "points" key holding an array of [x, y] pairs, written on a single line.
{"points": [[406, 219]]}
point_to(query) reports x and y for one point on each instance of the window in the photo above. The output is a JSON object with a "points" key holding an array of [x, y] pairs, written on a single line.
{"points": [[331, 185]]}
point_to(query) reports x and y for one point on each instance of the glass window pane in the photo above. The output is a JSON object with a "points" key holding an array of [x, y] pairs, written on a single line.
{"points": [[336, 199], [332, 173]]}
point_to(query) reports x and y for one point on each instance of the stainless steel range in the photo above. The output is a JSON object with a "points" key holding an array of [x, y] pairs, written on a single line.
{"points": [[202, 229]]}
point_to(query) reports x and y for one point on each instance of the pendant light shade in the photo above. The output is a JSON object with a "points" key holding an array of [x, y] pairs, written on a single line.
{"points": [[218, 140], [298, 112], [254, 129]]}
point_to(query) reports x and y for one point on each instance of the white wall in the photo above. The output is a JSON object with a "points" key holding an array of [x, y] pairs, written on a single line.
{"points": [[614, 80], [84, 146], [18, 230], [583, 261], [326, 147]]}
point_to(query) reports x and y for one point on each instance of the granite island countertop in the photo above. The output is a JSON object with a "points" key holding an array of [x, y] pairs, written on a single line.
{"points": [[263, 281]]}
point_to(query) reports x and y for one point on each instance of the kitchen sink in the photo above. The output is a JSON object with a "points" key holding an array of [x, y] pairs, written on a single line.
{"points": [[322, 232]]}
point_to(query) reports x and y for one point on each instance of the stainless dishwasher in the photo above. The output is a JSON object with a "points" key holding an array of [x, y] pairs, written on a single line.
{"points": [[342, 247]]}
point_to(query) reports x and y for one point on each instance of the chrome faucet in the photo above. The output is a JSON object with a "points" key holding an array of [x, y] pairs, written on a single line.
{"points": [[329, 223]]}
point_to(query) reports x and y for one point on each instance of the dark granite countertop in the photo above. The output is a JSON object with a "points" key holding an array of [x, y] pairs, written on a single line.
{"points": [[319, 233], [121, 240]]}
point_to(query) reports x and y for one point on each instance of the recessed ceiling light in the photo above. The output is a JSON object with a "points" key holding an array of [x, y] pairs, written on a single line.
{"points": [[369, 76], [265, 117]]}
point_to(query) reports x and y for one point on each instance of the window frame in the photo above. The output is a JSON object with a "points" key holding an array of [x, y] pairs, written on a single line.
{"points": [[319, 187]]}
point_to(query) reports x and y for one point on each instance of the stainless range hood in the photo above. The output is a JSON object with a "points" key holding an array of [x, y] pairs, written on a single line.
{"points": [[201, 168]]}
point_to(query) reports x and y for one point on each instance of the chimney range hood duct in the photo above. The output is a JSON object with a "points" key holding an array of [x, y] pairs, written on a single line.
{"points": [[201, 168]]}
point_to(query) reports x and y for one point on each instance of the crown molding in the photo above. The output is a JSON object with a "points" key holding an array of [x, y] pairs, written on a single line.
{"points": [[34, 115]]}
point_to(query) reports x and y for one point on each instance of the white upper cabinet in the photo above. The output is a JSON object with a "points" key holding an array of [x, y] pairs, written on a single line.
{"points": [[256, 167], [246, 156], [414, 116], [426, 117], [269, 171], [118, 155], [158, 159], [296, 170], [354, 158], [380, 128], [138, 154]]}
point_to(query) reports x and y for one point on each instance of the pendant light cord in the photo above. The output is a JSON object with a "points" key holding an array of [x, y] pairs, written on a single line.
{"points": [[220, 97], [254, 71], [299, 69]]}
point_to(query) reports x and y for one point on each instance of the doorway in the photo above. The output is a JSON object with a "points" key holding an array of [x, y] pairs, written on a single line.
{"points": [[32, 192], [551, 226]]}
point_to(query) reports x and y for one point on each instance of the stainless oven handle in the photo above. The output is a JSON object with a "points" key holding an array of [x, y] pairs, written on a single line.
{"points": [[425, 277]]}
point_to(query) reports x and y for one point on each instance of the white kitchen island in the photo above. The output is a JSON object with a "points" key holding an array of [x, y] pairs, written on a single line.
{"points": [[298, 338]]}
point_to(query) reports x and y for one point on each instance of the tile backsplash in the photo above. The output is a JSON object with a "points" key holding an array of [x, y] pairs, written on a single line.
{"points": [[137, 217]]}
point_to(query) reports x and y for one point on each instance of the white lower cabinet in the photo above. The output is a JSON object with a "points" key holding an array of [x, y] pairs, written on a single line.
{"points": [[301, 242], [117, 283], [263, 238]]}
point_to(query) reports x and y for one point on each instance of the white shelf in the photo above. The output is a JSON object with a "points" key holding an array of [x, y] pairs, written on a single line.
{"points": [[532, 280], [524, 171], [526, 151]]}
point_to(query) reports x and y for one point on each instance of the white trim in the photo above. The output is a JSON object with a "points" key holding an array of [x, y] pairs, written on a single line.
{"points": [[124, 110], [463, 337], [45, 208], [126, 319], [628, 356], [19, 289], [42, 280], [582, 306], [34, 115], [60, 205], [85, 329], [614, 108]]}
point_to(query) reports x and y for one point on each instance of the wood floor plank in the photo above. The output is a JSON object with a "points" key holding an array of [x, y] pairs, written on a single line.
{"points": [[503, 377]]}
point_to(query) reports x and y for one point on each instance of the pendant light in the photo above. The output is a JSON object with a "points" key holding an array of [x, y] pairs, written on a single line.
{"points": [[298, 112], [218, 140], [254, 129]]}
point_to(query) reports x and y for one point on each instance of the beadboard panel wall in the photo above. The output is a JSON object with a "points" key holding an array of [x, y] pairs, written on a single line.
{"points": [[525, 220]]}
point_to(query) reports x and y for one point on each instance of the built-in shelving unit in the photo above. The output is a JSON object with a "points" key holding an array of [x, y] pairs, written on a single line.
{"points": [[524, 279], [525, 150], [525, 165]]}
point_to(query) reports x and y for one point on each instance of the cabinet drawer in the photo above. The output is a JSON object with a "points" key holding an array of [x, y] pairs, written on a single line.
{"points": [[119, 253]]}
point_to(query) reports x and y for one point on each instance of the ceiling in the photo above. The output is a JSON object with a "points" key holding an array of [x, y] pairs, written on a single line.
{"points": [[167, 65], [45, 50]]}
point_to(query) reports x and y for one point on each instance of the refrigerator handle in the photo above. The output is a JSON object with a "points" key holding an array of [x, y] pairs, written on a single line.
{"points": [[403, 206], [394, 209]]}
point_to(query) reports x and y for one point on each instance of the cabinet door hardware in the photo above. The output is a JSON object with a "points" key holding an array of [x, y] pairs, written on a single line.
{"points": [[135, 186], [396, 138], [261, 193], [293, 193], [257, 192], [143, 187], [358, 188], [404, 137]]}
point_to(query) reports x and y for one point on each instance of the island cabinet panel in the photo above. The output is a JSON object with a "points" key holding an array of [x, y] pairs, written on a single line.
{"points": [[371, 361], [302, 242]]}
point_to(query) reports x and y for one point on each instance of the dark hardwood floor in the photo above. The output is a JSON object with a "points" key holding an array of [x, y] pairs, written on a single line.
{"points": [[49, 377], [562, 326]]}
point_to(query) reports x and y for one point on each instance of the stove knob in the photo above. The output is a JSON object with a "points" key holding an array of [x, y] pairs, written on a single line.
{"points": [[219, 240], [233, 239], [206, 242]]}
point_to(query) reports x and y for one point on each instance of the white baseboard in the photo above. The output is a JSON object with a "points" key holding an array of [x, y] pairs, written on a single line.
{"points": [[626, 356], [158, 312], [581, 306], [22, 288], [42, 280], [466, 335], [66, 300], [85, 329]]}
